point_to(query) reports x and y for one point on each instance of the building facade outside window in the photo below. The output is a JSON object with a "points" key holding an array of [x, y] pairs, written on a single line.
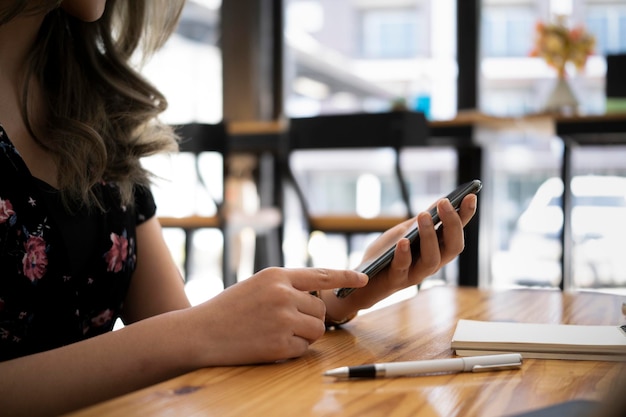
{"points": [[524, 161], [368, 55]]}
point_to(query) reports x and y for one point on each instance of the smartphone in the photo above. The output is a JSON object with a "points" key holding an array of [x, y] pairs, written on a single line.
{"points": [[377, 262]]}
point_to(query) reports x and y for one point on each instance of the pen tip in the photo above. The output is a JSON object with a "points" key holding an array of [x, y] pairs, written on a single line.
{"points": [[338, 372]]}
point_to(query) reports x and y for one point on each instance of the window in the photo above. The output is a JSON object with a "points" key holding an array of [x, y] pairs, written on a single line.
{"points": [[393, 33], [523, 214], [188, 71], [367, 56], [608, 24], [507, 31], [370, 55]]}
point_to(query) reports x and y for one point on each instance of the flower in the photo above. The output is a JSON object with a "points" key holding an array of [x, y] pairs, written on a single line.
{"points": [[558, 45], [116, 256], [35, 260], [102, 319], [6, 210]]}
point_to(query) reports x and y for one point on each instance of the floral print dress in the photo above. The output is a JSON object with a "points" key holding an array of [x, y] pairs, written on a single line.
{"points": [[63, 277]]}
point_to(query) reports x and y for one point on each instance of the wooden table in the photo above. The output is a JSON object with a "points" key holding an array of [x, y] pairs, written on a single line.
{"points": [[418, 328]]}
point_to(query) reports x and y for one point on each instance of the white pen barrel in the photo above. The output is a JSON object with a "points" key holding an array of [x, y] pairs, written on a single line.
{"points": [[489, 361], [466, 364], [424, 367]]}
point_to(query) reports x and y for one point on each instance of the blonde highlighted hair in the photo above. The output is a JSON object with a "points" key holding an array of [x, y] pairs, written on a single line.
{"points": [[100, 114]]}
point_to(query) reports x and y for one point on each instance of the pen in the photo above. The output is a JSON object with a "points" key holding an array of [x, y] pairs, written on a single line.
{"points": [[466, 364]]}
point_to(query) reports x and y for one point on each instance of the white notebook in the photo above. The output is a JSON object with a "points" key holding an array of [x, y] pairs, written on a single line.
{"points": [[549, 341]]}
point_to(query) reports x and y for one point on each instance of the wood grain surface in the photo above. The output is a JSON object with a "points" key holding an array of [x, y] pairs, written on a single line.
{"points": [[415, 329]]}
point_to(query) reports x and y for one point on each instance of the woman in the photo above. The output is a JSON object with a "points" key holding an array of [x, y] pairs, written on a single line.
{"points": [[79, 242]]}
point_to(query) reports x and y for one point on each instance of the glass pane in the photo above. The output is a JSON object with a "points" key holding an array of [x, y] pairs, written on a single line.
{"points": [[608, 23], [349, 181], [598, 213], [392, 33], [188, 70], [521, 165], [370, 55], [513, 83], [430, 174], [526, 222], [521, 208], [367, 56], [507, 31]]}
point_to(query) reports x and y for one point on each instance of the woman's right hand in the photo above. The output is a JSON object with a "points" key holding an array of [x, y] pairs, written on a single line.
{"points": [[270, 316]]}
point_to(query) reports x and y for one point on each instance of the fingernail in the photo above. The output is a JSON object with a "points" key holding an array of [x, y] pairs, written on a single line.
{"points": [[425, 221], [447, 206], [473, 202]]}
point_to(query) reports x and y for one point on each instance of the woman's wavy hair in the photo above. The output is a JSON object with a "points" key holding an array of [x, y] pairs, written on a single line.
{"points": [[101, 115]]}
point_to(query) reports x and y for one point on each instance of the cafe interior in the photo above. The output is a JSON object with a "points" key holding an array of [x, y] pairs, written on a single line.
{"points": [[308, 127]]}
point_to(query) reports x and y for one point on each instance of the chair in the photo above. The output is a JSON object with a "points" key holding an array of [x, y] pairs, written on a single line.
{"points": [[352, 132], [199, 138], [234, 222]]}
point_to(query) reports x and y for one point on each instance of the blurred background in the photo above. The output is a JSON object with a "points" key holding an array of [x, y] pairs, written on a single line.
{"points": [[353, 56]]}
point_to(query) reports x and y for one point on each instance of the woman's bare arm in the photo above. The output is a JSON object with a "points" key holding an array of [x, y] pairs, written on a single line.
{"points": [[115, 363], [157, 285], [77, 375], [269, 317]]}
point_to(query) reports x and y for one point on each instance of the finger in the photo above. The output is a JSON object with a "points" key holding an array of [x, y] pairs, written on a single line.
{"points": [[430, 257], [466, 212], [402, 259], [311, 305], [309, 328], [295, 346], [309, 279], [468, 208], [448, 215], [452, 242], [310, 322]]}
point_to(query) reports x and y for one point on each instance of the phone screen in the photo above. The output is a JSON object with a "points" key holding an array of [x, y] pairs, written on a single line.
{"points": [[374, 264]]}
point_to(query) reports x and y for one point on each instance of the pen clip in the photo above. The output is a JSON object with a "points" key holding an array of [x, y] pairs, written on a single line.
{"points": [[496, 367]]}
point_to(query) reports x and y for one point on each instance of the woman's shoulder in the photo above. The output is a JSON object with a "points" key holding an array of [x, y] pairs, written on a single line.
{"points": [[143, 205]]}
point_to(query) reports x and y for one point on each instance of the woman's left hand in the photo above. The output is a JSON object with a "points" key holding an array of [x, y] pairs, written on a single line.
{"points": [[437, 248]]}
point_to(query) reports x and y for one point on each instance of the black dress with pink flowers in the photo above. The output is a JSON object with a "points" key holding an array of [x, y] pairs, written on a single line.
{"points": [[63, 277]]}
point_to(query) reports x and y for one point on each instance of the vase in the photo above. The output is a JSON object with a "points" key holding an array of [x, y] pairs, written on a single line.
{"points": [[562, 98]]}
